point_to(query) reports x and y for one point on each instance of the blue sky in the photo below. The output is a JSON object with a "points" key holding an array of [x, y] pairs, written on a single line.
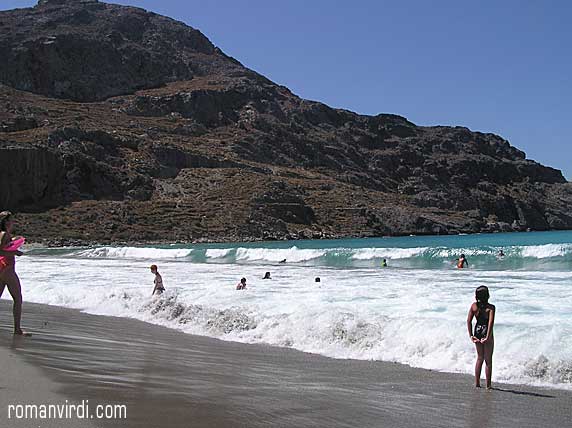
{"points": [[493, 66]]}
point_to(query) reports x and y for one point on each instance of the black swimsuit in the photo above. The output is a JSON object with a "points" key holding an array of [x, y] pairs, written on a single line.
{"points": [[482, 324]]}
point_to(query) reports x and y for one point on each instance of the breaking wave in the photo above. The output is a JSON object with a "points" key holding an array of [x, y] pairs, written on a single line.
{"points": [[343, 334], [541, 257]]}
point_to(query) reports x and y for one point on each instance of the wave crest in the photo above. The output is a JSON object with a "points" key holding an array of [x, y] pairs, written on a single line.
{"points": [[213, 321]]}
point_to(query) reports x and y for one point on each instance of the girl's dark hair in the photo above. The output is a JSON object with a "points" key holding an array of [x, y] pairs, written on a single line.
{"points": [[482, 295], [4, 217]]}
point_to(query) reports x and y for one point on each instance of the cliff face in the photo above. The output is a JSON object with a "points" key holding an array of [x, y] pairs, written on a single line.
{"points": [[119, 124], [90, 51]]}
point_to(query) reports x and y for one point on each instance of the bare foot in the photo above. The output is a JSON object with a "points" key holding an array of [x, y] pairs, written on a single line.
{"points": [[22, 333]]}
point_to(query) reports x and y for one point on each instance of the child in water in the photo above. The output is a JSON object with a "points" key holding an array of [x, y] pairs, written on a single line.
{"points": [[241, 285], [158, 281], [462, 262], [482, 335]]}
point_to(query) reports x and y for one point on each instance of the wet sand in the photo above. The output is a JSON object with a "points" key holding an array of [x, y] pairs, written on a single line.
{"points": [[170, 379]]}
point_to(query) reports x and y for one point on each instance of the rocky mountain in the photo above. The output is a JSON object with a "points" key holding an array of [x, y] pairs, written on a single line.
{"points": [[117, 124]]}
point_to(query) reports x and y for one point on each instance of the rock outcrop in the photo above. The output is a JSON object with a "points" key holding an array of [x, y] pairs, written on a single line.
{"points": [[134, 127], [90, 51]]}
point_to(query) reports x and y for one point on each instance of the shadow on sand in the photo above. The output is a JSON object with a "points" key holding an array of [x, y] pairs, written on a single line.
{"points": [[530, 394]]}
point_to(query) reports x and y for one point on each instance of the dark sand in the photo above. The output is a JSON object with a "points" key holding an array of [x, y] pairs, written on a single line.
{"points": [[171, 379]]}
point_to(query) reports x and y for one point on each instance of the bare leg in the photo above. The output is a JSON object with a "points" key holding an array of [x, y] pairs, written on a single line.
{"points": [[2, 285], [479, 364], [489, 348], [13, 282]]}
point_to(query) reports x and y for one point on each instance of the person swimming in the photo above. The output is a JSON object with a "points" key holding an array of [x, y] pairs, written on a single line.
{"points": [[500, 253], [158, 281], [384, 263], [462, 262], [242, 284], [282, 261], [317, 279], [482, 335], [266, 276]]}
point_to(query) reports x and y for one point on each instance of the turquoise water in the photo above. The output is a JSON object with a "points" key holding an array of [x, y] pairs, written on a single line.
{"points": [[522, 251]]}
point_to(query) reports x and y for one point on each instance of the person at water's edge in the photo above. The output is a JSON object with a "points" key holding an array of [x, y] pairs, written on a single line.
{"points": [[8, 275], [482, 335]]}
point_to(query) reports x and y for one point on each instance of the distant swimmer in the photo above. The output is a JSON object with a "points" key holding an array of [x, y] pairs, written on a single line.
{"points": [[282, 261], [482, 335], [462, 262], [317, 279], [158, 281], [384, 263], [266, 276], [242, 284], [500, 254]]}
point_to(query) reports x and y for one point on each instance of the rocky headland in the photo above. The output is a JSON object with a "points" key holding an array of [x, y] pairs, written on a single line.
{"points": [[121, 125]]}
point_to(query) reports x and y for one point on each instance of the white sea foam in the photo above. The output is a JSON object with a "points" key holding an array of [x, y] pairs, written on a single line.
{"points": [[543, 257], [134, 253], [218, 253], [411, 316], [388, 253], [546, 251], [293, 254]]}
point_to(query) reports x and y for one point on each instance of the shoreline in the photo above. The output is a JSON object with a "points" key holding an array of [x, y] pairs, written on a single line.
{"points": [[163, 374]]}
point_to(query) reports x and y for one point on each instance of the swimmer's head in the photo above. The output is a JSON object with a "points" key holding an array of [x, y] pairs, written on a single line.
{"points": [[5, 218], [153, 268], [317, 279], [462, 256], [243, 280]]}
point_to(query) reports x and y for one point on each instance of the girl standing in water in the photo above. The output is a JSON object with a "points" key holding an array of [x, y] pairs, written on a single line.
{"points": [[8, 276], [482, 335], [158, 281]]}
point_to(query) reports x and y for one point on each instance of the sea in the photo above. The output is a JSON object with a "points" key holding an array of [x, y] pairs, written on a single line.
{"points": [[412, 312]]}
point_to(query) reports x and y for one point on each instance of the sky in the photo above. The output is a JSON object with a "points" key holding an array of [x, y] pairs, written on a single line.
{"points": [[492, 66]]}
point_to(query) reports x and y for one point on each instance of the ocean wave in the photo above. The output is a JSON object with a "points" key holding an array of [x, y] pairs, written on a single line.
{"points": [[217, 322], [546, 251], [133, 253], [292, 254], [549, 371], [439, 345], [218, 253], [387, 253], [541, 257]]}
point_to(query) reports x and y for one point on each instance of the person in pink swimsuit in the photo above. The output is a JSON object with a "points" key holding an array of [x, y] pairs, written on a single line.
{"points": [[8, 275]]}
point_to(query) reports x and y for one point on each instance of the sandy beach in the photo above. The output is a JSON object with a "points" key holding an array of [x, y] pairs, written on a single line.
{"points": [[170, 379]]}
